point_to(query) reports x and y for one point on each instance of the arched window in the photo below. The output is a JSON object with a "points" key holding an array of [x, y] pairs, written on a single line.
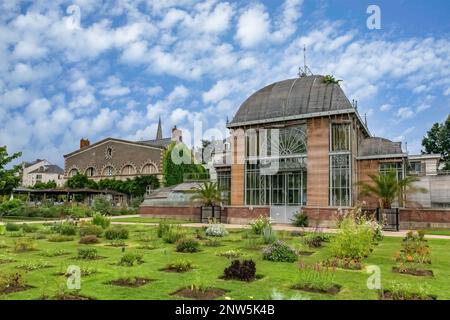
{"points": [[128, 169], [108, 171], [149, 168], [73, 172], [90, 172], [109, 152]]}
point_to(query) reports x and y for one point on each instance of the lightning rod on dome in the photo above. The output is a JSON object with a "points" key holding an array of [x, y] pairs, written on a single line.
{"points": [[305, 71]]}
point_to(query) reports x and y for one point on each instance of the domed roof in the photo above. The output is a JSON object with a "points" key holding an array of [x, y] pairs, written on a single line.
{"points": [[290, 99]]}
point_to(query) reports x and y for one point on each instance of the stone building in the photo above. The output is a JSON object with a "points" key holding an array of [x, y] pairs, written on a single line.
{"points": [[120, 159], [41, 170]]}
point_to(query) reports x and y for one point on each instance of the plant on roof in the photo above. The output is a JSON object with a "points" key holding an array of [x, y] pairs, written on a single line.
{"points": [[329, 79]]}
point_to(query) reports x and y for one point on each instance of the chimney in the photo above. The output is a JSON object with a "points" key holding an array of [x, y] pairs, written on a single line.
{"points": [[177, 134], [84, 143]]}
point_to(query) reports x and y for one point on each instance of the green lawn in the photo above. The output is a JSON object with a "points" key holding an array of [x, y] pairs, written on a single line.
{"points": [[440, 232], [209, 267], [152, 220]]}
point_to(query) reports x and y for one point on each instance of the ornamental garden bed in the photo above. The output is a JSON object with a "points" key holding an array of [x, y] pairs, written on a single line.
{"points": [[200, 293], [414, 271], [388, 295], [134, 282], [333, 289]]}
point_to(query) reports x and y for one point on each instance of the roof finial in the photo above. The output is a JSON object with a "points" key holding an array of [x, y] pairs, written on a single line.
{"points": [[305, 71], [159, 130]]}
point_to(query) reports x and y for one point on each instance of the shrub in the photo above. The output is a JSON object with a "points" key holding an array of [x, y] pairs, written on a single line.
{"points": [[188, 245], [29, 228], [2, 230], [212, 243], [216, 230], [269, 235], [101, 221], [12, 226], [89, 239], [60, 238], [12, 280], [79, 211], [244, 271], [102, 205], [279, 252], [129, 259], [180, 266], [87, 253], [173, 235], [65, 228], [163, 228], [22, 245], [13, 207], [116, 233], [312, 240], [90, 230], [260, 224], [300, 219], [230, 254], [54, 253], [136, 202], [405, 291], [315, 277]]}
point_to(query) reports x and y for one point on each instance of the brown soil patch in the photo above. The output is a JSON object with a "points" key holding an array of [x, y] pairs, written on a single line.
{"points": [[15, 289], [388, 296], [69, 296], [305, 253], [331, 290], [208, 294], [414, 272], [131, 282], [257, 277], [3, 261]]}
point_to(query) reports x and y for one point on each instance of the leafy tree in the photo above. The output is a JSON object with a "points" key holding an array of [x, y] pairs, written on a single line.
{"points": [[9, 178], [45, 185], [81, 181], [208, 194], [174, 172], [386, 187], [437, 140]]}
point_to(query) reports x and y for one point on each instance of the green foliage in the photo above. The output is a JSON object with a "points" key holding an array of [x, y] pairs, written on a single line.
{"points": [[12, 226], [188, 245], [13, 207], [116, 233], [60, 238], [9, 178], [315, 277], [129, 259], [230, 254], [80, 181], [101, 221], [11, 280], [136, 201], [216, 230], [415, 251], [163, 228], [405, 291], [45, 185], [386, 187], [208, 194], [89, 239], [180, 266], [260, 224], [269, 235], [102, 205], [329, 79], [23, 245], [173, 173], [437, 140], [49, 253], [279, 252], [300, 219], [174, 234], [87, 253], [65, 228], [90, 230], [29, 228]]}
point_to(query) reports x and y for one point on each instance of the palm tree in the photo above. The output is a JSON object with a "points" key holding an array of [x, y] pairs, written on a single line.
{"points": [[386, 187], [208, 194], [329, 79]]}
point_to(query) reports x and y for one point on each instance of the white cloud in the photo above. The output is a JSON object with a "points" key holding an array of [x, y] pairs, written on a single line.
{"points": [[253, 26], [385, 107], [154, 91], [14, 98], [178, 115], [405, 113], [218, 91]]}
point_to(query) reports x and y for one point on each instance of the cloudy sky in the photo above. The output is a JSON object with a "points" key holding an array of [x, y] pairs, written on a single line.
{"points": [[90, 69]]}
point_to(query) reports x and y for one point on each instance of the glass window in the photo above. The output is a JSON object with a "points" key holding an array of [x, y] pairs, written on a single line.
{"points": [[396, 166], [90, 172], [108, 171], [340, 137], [340, 181], [128, 169], [73, 172], [224, 184]]}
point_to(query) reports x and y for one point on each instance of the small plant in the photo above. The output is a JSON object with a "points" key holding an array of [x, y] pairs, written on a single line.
{"points": [[312, 240], [23, 245], [173, 235], [230, 254], [269, 235], [90, 239], [90, 230], [65, 228], [279, 252], [163, 228], [404, 291], [102, 205], [60, 238], [276, 295], [130, 259], [300, 219], [316, 278], [11, 281], [216, 230], [213, 243], [188, 245], [34, 266], [29, 228], [180, 266], [260, 224], [244, 271], [49, 253], [116, 233], [329, 79], [12, 226], [101, 221], [87, 254], [117, 243]]}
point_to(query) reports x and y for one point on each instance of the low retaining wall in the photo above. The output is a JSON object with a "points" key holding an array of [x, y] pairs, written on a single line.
{"points": [[410, 218]]}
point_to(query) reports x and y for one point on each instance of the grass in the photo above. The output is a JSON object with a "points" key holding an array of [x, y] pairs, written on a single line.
{"points": [[151, 220], [439, 232], [20, 219], [208, 268]]}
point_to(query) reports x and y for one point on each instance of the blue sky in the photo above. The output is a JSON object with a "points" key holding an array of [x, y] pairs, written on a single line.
{"points": [[127, 63]]}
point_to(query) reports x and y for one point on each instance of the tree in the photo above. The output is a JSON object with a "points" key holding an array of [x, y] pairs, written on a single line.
{"points": [[174, 172], [437, 140], [9, 178], [208, 194], [45, 185], [81, 181], [386, 187]]}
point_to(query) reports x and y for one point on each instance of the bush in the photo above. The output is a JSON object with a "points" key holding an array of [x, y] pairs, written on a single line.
{"points": [[13, 207], [23, 245], [101, 221], [300, 219], [129, 259], [269, 235], [230, 254], [89, 239], [90, 230], [312, 240], [102, 205], [79, 211], [65, 228], [87, 253], [136, 202], [244, 271], [12, 226], [212, 243], [29, 228], [60, 238], [180, 266], [13, 280], [2, 230], [163, 228], [188, 245], [260, 224], [116, 233], [216, 230], [279, 252], [173, 235]]}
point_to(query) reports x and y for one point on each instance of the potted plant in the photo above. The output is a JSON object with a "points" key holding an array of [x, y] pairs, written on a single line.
{"points": [[209, 195]]}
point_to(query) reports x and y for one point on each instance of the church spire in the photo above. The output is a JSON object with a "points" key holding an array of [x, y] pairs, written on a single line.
{"points": [[159, 131]]}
